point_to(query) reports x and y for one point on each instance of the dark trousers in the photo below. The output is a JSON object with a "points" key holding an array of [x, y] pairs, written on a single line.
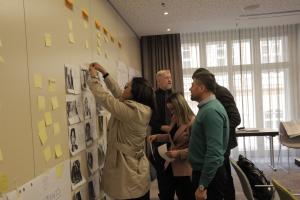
{"points": [[229, 190], [168, 185], [145, 197], [216, 188]]}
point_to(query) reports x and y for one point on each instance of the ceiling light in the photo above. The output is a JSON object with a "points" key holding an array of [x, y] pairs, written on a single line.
{"points": [[251, 7], [166, 13], [168, 29]]}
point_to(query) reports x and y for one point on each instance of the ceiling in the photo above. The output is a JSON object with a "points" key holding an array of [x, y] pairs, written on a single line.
{"points": [[146, 17]]}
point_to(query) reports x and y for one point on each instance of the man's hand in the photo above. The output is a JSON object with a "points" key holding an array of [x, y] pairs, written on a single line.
{"points": [[98, 67], [201, 194], [172, 154]]}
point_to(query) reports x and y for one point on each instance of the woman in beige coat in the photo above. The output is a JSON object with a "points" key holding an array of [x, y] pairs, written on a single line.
{"points": [[126, 170], [179, 171]]}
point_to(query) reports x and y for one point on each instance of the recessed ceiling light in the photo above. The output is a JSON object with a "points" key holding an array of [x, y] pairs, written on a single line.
{"points": [[168, 29], [251, 7], [166, 13]]}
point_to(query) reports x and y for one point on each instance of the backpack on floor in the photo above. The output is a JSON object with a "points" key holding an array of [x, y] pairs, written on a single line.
{"points": [[256, 177]]}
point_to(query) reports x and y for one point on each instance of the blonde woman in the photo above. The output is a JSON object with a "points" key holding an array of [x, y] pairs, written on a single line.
{"points": [[179, 171]]}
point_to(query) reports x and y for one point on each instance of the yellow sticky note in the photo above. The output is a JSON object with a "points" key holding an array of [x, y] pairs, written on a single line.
{"points": [[86, 44], [85, 24], [47, 153], [48, 40], [99, 35], [58, 151], [52, 85], [42, 132], [48, 118], [58, 170], [56, 128], [3, 183], [41, 102], [99, 51], [54, 102], [70, 25], [71, 38], [1, 156], [2, 59], [38, 79]]}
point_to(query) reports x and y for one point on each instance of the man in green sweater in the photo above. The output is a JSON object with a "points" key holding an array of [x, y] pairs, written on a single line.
{"points": [[209, 140]]}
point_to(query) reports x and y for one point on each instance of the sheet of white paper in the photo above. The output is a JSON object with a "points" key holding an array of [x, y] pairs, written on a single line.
{"points": [[162, 149]]}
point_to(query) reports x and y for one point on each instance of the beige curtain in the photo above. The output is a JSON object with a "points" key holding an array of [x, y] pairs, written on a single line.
{"points": [[162, 52]]}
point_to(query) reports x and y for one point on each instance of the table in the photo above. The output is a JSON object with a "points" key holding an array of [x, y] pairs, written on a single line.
{"points": [[271, 133]]}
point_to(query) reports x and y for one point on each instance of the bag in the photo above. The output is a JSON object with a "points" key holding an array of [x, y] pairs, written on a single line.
{"points": [[256, 177]]}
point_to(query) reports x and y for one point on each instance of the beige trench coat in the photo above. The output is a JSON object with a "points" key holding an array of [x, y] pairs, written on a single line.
{"points": [[126, 171]]}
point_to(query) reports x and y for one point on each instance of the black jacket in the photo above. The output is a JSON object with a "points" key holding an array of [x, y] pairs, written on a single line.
{"points": [[227, 100]]}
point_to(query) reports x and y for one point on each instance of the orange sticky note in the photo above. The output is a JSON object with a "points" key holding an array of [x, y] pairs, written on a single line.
{"points": [[85, 14], [69, 3], [97, 24]]}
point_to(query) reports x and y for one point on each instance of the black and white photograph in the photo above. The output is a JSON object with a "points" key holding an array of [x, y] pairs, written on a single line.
{"points": [[84, 78], [77, 178], [76, 138], [94, 186], [92, 159], [78, 195], [87, 107], [101, 156], [73, 109], [88, 131], [69, 79]]}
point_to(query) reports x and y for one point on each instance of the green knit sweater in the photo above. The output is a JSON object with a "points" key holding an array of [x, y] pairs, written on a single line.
{"points": [[209, 139]]}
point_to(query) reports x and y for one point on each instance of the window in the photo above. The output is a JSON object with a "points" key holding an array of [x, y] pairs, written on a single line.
{"points": [[190, 56], [274, 50], [241, 52], [216, 53]]}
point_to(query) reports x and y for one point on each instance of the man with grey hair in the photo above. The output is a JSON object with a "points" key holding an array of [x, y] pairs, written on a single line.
{"points": [[159, 125], [209, 140]]}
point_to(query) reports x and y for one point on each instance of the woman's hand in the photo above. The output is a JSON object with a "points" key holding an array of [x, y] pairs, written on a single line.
{"points": [[98, 67], [93, 72], [172, 154], [152, 138]]}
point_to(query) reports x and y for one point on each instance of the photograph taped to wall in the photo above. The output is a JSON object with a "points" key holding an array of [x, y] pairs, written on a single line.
{"points": [[101, 155], [73, 108], [72, 79], [77, 178], [89, 132], [76, 138], [87, 107], [84, 75], [92, 159], [94, 186], [78, 195]]}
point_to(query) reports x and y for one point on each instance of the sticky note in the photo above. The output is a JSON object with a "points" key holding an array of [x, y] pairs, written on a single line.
{"points": [[69, 4], [99, 35], [47, 153], [105, 31], [99, 51], [1, 156], [42, 132], [38, 81], [85, 14], [85, 25], [1, 43], [98, 43], [41, 102], [56, 128], [58, 170], [2, 59], [58, 151], [48, 40], [71, 38], [54, 102], [48, 118], [97, 24], [86, 44], [3, 183], [52, 85], [70, 25]]}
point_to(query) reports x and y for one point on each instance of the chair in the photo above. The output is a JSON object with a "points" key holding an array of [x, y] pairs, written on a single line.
{"points": [[244, 181], [285, 140], [284, 193]]}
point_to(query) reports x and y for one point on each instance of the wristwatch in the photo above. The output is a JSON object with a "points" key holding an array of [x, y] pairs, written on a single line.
{"points": [[201, 188]]}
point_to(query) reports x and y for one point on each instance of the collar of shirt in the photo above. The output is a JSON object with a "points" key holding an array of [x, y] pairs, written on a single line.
{"points": [[205, 101]]}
